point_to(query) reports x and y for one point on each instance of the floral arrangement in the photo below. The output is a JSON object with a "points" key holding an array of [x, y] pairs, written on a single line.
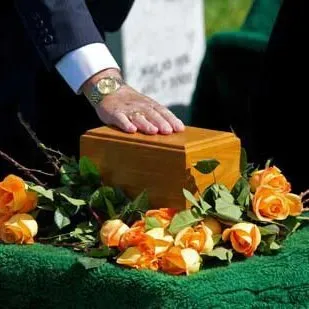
{"points": [[105, 225]]}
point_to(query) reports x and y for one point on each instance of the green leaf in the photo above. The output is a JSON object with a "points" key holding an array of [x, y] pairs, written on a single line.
{"points": [[184, 219], [302, 218], [224, 217], [274, 246], [73, 201], [43, 192], [252, 215], [227, 209], [226, 195], [47, 207], [266, 243], [243, 161], [204, 205], [141, 203], [97, 199], [83, 228], [268, 163], [151, 223], [206, 166], [241, 192], [216, 238], [102, 252], [190, 197], [270, 229], [61, 219], [110, 208], [222, 254], [89, 171], [90, 263], [211, 193], [292, 224], [69, 173]]}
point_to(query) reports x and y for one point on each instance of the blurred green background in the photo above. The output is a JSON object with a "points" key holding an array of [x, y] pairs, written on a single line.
{"points": [[225, 14]]}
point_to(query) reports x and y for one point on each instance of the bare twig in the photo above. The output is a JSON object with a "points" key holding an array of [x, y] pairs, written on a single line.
{"points": [[305, 199], [24, 169], [52, 159], [40, 172]]}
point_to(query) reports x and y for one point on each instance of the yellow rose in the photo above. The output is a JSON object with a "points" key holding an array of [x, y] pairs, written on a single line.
{"points": [[111, 232], [295, 204], [269, 204], [198, 238], [213, 224], [14, 198], [19, 229], [177, 261], [245, 238], [271, 177]]}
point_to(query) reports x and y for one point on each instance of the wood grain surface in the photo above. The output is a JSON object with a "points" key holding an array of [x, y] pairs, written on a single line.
{"points": [[162, 164]]}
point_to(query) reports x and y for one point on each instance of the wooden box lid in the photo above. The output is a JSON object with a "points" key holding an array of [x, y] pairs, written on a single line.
{"points": [[191, 137], [162, 164]]}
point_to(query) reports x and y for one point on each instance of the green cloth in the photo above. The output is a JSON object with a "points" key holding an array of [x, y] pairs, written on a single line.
{"points": [[38, 276]]}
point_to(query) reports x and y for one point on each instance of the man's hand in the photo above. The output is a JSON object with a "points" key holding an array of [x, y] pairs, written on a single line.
{"points": [[131, 111]]}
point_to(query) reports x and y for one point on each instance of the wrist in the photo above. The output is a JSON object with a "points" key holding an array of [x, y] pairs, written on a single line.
{"points": [[91, 82]]}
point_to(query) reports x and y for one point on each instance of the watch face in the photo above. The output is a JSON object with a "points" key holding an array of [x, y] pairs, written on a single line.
{"points": [[107, 85]]}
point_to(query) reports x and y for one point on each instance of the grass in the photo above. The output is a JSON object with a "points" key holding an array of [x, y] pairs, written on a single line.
{"points": [[225, 14]]}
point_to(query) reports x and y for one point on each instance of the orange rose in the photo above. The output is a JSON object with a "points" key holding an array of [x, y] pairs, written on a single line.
{"points": [[132, 237], [141, 256], [295, 204], [19, 229], [14, 198], [270, 205], [163, 215], [4, 218], [255, 180], [198, 238], [213, 224], [177, 261], [162, 240], [134, 257], [245, 238], [271, 177], [111, 232]]}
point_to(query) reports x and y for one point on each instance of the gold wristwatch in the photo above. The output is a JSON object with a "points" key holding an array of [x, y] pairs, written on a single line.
{"points": [[104, 87]]}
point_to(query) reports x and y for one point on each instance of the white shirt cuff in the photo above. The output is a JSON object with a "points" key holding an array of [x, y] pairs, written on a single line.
{"points": [[79, 65]]}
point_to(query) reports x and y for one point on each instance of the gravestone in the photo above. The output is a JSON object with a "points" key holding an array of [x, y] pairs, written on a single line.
{"points": [[160, 49]]}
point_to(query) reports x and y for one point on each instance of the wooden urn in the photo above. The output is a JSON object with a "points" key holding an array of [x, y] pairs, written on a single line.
{"points": [[163, 165]]}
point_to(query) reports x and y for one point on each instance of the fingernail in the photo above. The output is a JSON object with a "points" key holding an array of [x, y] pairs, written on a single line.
{"points": [[132, 129], [179, 126], [167, 129]]}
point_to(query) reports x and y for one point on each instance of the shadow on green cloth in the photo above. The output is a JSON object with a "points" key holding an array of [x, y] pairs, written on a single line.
{"points": [[229, 73]]}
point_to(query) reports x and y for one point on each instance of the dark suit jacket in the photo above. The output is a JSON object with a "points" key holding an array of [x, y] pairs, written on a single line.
{"points": [[34, 35]]}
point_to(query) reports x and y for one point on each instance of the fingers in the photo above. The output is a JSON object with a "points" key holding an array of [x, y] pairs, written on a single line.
{"points": [[176, 124], [121, 121], [158, 121], [142, 124]]}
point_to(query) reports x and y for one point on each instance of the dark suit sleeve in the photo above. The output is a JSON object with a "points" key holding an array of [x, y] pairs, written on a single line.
{"points": [[57, 27]]}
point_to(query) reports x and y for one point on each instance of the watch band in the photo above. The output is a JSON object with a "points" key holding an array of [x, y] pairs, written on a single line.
{"points": [[105, 86]]}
